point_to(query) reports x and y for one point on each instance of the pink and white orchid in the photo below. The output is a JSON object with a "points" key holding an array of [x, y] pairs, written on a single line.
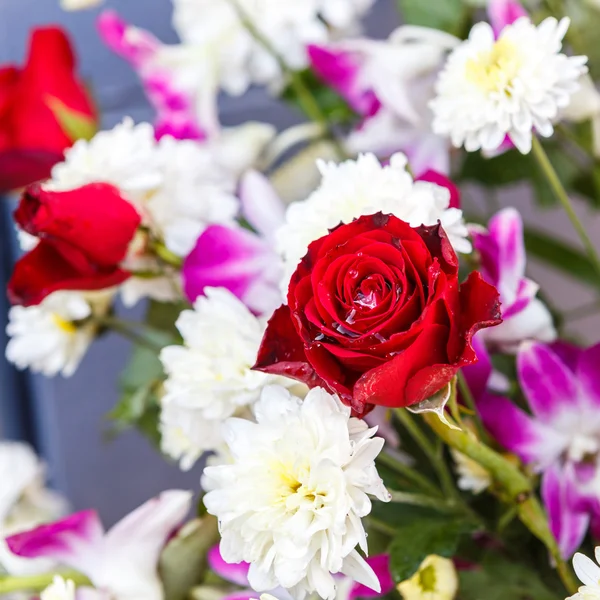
{"points": [[561, 438], [178, 79], [389, 83], [502, 253], [237, 259], [120, 563], [504, 12], [346, 588]]}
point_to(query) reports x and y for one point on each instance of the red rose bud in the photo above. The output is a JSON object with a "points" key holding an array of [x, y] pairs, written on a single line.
{"points": [[84, 235], [33, 137], [376, 309]]}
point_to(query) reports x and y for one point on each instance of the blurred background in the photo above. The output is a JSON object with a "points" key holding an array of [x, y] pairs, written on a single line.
{"points": [[65, 418]]}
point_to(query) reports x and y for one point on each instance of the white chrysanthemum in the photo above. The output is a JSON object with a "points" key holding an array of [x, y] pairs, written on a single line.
{"points": [[186, 434], [292, 500], [53, 336], [511, 86], [210, 378], [59, 589], [239, 59], [124, 156], [196, 192], [589, 574], [362, 187]]}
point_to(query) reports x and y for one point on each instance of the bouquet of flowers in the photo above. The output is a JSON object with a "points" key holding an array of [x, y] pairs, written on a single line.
{"points": [[383, 402]]}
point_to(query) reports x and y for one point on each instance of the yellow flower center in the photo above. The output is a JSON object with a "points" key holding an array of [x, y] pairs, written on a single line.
{"points": [[64, 325], [292, 491], [427, 579], [494, 70]]}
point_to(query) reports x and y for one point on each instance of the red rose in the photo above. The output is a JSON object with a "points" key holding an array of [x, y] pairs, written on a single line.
{"points": [[375, 313], [31, 137], [84, 234]]}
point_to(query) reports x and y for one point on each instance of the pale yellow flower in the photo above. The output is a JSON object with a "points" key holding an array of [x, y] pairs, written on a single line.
{"points": [[436, 579]]}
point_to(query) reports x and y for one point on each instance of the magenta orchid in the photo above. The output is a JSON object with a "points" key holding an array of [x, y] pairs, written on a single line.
{"points": [[502, 253], [561, 438], [389, 83], [178, 83], [346, 588], [240, 260], [504, 12], [120, 563]]}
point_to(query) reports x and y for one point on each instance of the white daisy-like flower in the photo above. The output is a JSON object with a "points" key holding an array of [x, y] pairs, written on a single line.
{"points": [[589, 574], [210, 378], [291, 501], [59, 589], [238, 58], [513, 86], [53, 336], [436, 579], [362, 187]]}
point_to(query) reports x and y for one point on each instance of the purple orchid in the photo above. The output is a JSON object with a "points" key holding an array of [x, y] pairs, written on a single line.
{"points": [[178, 84], [389, 84], [561, 438], [347, 589], [240, 260], [121, 563], [504, 12], [502, 252]]}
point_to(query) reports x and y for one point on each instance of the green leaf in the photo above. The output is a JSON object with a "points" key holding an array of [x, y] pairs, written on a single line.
{"points": [[141, 380], [182, 565], [76, 125], [416, 540], [561, 256], [449, 15], [500, 579]]}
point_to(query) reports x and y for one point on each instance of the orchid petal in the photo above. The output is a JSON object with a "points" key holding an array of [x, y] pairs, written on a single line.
{"points": [[75, 541], [588, 375], [340, 69], [234, 572], [506, 230], [567, 521], [504, 12], [237, 260], [261, 206], [165, 72], [478, 375], [549, 386], [134, 544], [568, 353], [381, 566], [514, 429], [533, 323]]}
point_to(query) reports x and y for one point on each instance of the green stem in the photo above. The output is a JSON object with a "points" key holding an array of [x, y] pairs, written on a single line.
{"points": [[467, 396], [128, 330], [36, 583], [516, 487], [423, 500], [409, 473], [435, 458], [563, 197], [307, 101], [166, 255]]}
